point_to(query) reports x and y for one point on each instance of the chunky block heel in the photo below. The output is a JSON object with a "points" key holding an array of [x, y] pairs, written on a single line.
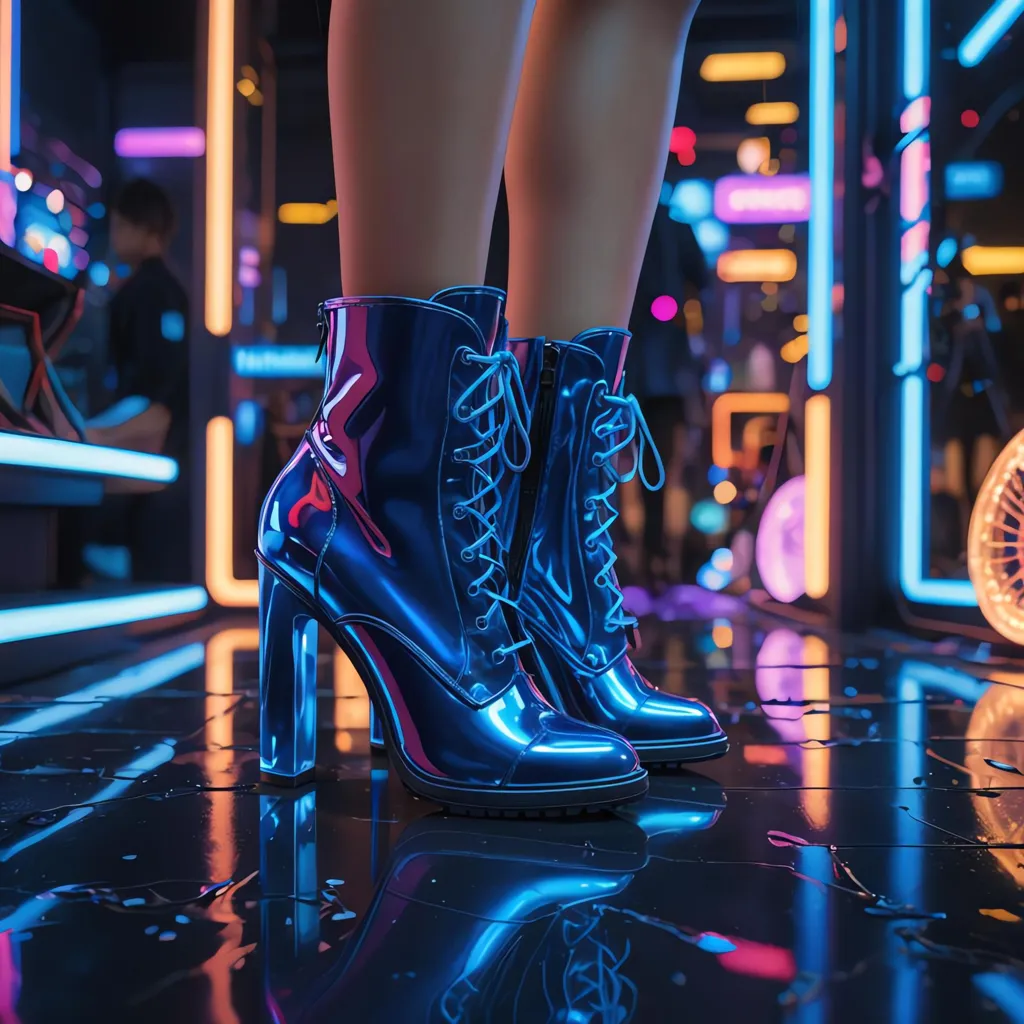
{"points": [[288, 649]]}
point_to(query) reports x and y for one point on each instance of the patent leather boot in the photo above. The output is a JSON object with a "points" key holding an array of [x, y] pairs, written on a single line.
{"points": [[487, 921], [561, 559], [381, 528]]}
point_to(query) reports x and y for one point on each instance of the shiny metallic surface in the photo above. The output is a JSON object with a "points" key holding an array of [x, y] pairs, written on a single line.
{"points": [[384, 526], [854, 857], [568, 598]]}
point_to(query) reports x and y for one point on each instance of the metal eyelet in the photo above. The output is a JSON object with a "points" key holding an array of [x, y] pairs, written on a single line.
{"points": [[497, 657], [591, 658], [481, 622], [597, 460], [473, 589], [465, 410], [459, 455], [589, 504], [467, 555], [459, 512], [590, 545], [464, 356]]}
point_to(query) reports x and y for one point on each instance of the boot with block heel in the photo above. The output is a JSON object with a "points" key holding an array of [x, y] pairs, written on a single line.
{"points": [[382, 529], [560, 550]]}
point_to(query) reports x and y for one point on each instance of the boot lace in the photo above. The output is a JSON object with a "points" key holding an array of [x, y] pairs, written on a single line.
{"points": [[617, 427], [494, 406]]}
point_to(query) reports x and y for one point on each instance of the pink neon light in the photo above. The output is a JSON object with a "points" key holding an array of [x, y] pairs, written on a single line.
{"points": [[249, 255], [915, 166], [160, 142], [914, 243], [759, 960], [779, 547], [756, 199], [664, 307], [917, 115], [248, 276]]}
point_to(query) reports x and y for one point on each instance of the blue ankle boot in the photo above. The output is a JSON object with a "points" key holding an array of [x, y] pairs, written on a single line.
{"points": [[382, 529], [561, 557]]}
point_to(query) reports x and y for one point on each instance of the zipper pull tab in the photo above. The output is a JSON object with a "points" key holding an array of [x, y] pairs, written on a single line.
{"points": [[321, 324]]}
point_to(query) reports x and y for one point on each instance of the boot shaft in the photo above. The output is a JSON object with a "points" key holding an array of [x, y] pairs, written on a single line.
{"points": [[377, 514]]}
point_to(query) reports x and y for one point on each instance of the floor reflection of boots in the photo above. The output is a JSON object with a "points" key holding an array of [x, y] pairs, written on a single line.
{"points": [[471, 919]]}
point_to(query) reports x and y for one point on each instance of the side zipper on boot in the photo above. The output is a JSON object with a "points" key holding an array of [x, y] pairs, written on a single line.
{"points": [[540, 436]]}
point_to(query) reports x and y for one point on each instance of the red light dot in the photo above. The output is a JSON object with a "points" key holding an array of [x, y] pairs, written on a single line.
{"points": [[935, 373], [687, 158], [970, 119], [682, 139], [50, 260]]}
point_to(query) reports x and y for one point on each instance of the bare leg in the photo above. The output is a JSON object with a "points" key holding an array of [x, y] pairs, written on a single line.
{"points": [[585, 158], [421, 98]]}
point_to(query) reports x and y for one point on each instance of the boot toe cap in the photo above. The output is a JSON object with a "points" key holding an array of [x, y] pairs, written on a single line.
{"points": [[664, 717], [571, 753]]}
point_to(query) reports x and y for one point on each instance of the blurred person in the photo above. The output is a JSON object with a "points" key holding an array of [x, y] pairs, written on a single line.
{"points": [[148, 355], [663, 372]]}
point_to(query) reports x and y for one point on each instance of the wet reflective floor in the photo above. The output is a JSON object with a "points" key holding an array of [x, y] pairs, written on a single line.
{"points": [[857, 856]]}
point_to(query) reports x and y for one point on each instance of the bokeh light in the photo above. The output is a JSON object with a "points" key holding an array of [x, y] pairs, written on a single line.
{"points": [[664, 308]]}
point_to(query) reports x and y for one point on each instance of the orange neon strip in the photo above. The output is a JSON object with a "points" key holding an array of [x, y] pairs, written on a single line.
{"points": [[747, 265], [818, 465], [6, 83], [739, 402], [220, 527], [742, 67], [220, 129]]}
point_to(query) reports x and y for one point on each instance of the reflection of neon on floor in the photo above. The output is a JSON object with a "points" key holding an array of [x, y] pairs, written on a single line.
{"points": [[815, 797]]}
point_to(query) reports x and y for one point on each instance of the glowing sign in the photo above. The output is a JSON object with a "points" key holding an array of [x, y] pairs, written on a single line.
{"points": [[755, 199], [160, 142], [757, 265], [779, 548], [280, 361], [307, 213], [773, 113], [994, 259], [974, 179], [742, 67]]}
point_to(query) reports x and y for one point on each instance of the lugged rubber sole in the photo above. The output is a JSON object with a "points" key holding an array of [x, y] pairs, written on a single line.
{"points": [[558, 801], [675, 755]]}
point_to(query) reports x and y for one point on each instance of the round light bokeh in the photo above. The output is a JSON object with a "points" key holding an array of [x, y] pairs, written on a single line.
{"points": [[779, 548]]}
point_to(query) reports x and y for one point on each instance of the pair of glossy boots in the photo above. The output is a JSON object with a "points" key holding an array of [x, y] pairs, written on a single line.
{"points": [[446, 519]]}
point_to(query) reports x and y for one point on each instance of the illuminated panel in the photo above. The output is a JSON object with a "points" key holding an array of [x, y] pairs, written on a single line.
{"points": [[160, 142], [756, 199], [773, 113], [91, 459], [779, 547], [820, 276], [220, 527], [742, 67], [757, 265], [739, 402], [916, 279], [276, 361], [988, 259], [992, 26], [817, 445], [96, 613], [974, 179], [220, 129], [915, 166], [307, 213], [6, 81]]}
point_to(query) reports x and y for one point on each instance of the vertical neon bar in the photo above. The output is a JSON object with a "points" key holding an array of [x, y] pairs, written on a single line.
{"points": [[916, 43], [822, 153], [817, 445], [220, 97], [6, 80]]}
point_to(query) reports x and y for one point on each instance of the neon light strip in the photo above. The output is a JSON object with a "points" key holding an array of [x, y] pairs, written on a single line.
{"points": [[276, 361], [6, 81], [817, 493], [916, 43], [220, 530], [915, 584], [160, 142], [992, 26], [220, 129], [96, 613], [15, 129], [822, 154], [93, 459], [132, 681]]}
